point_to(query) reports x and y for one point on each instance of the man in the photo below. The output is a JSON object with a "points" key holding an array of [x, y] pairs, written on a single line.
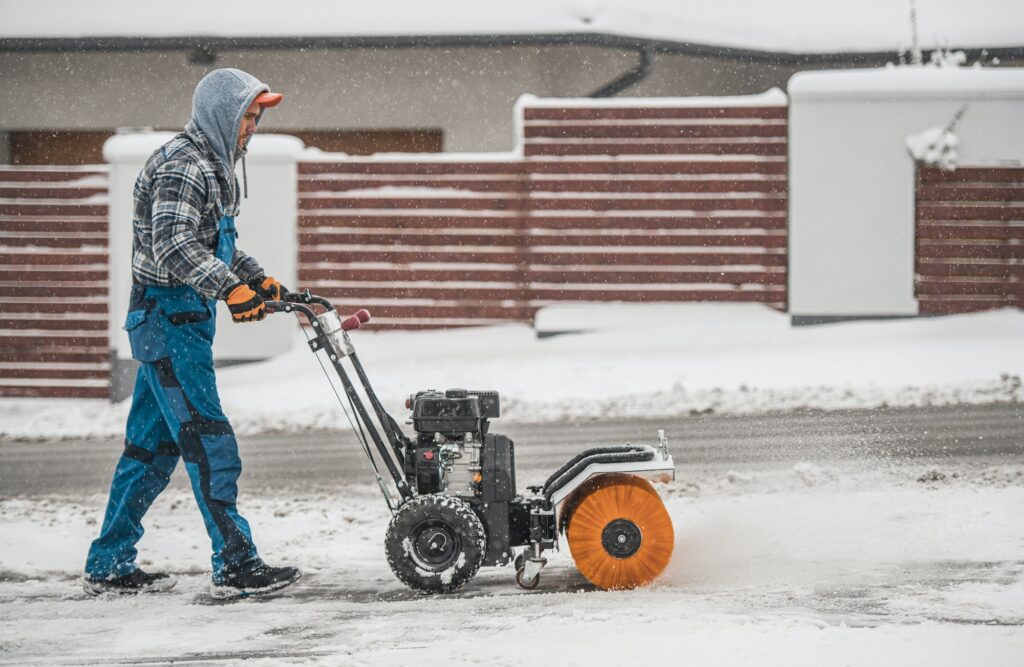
{"points": [[184, 259]]}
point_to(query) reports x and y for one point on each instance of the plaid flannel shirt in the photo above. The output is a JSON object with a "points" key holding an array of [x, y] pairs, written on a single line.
{"points": [[180, 196]]}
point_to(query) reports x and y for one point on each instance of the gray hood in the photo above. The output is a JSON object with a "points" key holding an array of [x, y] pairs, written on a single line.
{"points": [[218, 105]]}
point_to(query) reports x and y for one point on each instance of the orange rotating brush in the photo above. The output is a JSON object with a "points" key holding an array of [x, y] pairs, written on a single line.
{"points": [[620, 534]]}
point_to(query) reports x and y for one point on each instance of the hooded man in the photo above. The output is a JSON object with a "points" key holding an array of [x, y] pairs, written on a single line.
{"points": [[184, 260]]}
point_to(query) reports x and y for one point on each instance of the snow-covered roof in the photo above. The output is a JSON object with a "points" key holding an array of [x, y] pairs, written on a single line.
{"points": [[940, 82], [783, 26]]}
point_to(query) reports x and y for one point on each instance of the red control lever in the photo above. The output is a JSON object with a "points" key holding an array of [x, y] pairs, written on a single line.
{"points": [[355, 321]]}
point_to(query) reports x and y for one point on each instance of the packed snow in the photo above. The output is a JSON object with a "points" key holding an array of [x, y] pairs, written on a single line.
{"points": [[896, 565], [616, 360]]}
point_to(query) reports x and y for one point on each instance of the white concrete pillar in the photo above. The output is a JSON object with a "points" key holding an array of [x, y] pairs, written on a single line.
{"points": [[267, 226], [851, 178]]}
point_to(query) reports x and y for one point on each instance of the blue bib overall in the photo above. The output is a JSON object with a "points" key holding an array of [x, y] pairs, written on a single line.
{"points": [[175, 413]]}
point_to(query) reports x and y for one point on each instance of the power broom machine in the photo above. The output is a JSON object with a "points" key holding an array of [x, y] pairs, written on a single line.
{"points": [[452, 489]]}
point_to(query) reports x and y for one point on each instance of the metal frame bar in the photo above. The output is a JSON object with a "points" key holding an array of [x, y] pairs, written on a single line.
{"points": [[321, 341]]}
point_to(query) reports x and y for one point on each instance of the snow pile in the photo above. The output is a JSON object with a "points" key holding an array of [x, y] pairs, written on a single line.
{"points": [[642, 360], [935, 147]]}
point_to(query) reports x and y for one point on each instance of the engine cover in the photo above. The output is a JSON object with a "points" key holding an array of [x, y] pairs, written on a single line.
{"points": [[454, 411]]}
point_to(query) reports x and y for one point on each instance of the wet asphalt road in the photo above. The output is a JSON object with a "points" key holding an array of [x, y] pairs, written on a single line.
{"points": [[992, 433]]}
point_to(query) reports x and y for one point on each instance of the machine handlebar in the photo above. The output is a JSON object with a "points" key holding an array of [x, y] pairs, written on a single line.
{"points": [[302, 302]]}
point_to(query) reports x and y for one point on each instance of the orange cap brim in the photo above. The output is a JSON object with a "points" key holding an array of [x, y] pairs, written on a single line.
{"points": [[269, 99]]}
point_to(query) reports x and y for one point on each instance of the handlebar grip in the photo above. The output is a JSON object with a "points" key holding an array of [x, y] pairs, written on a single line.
{"points": [[350, 323], [363, 315]]}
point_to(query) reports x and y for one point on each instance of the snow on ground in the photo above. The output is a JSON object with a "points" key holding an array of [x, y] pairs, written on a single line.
{"points": [[628, 360], [885, 565], [852, 561]]}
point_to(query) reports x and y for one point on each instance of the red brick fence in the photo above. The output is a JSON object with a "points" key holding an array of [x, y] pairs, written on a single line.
{"points": [[608, 203], [53, 282], [604, 202], [970, 239]]}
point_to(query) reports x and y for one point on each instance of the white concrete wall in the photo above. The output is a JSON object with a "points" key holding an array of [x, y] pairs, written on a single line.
{"points": [[469, 93], [851, 197], [267, 228]]}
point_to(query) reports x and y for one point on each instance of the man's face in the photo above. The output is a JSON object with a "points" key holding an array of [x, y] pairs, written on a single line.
{"points": [[248, 126]]}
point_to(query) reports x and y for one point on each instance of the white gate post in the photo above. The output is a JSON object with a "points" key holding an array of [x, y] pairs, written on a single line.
{"points": [[268, 231]]}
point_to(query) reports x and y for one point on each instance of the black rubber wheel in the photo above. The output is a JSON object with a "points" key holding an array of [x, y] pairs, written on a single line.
{"points": [[435, 543], [528, 585]]}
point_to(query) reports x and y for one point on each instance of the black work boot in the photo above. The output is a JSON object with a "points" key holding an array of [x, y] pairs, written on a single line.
{"points": [[259, 579], [135, 582]]}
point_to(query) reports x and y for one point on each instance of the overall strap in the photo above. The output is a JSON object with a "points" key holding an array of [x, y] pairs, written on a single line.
{"points": [[226, 235]]}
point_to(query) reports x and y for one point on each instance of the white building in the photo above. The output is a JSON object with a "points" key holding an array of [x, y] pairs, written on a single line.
{"points": [[431, 76]]}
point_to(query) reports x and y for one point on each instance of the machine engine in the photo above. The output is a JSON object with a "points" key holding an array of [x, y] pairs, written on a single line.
{"points": [[451, 427], [455, 454]]}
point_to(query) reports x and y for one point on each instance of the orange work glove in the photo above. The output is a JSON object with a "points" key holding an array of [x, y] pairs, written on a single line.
{"points": [[245, 305], [268, 287]]}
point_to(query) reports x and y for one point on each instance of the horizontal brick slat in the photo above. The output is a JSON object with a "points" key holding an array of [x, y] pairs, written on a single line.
{"points": [[402, 276], [663, 203], [375, 183], [61, 176], [59, 290], [602, 220], [534, 149], [972, 175], [60, 324], [32, 356], [947, 250], [420, 202], [39, 372], [51, 242], [606, 258], [643, 184], [941, 232], [358, 166], [36, 209], [628, 131], [29, 390], [954, 268], [439, 312], [979, 192], [773, 220], [591, 165], [54, 307], [937, 212], [685, 165], [460, 242], [7, 192], [50, 258], [648, 113]]}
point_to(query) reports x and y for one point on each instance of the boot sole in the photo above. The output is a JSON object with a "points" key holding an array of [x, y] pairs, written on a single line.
{"points": [[221, 592], [95, 588]]}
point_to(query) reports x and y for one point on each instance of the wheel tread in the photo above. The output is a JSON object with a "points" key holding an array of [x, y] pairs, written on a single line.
{"points": [[434, 506]]}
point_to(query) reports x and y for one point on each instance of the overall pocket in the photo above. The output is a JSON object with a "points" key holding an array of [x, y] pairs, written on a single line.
{"points": [[184, 307], [145, 336]]}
